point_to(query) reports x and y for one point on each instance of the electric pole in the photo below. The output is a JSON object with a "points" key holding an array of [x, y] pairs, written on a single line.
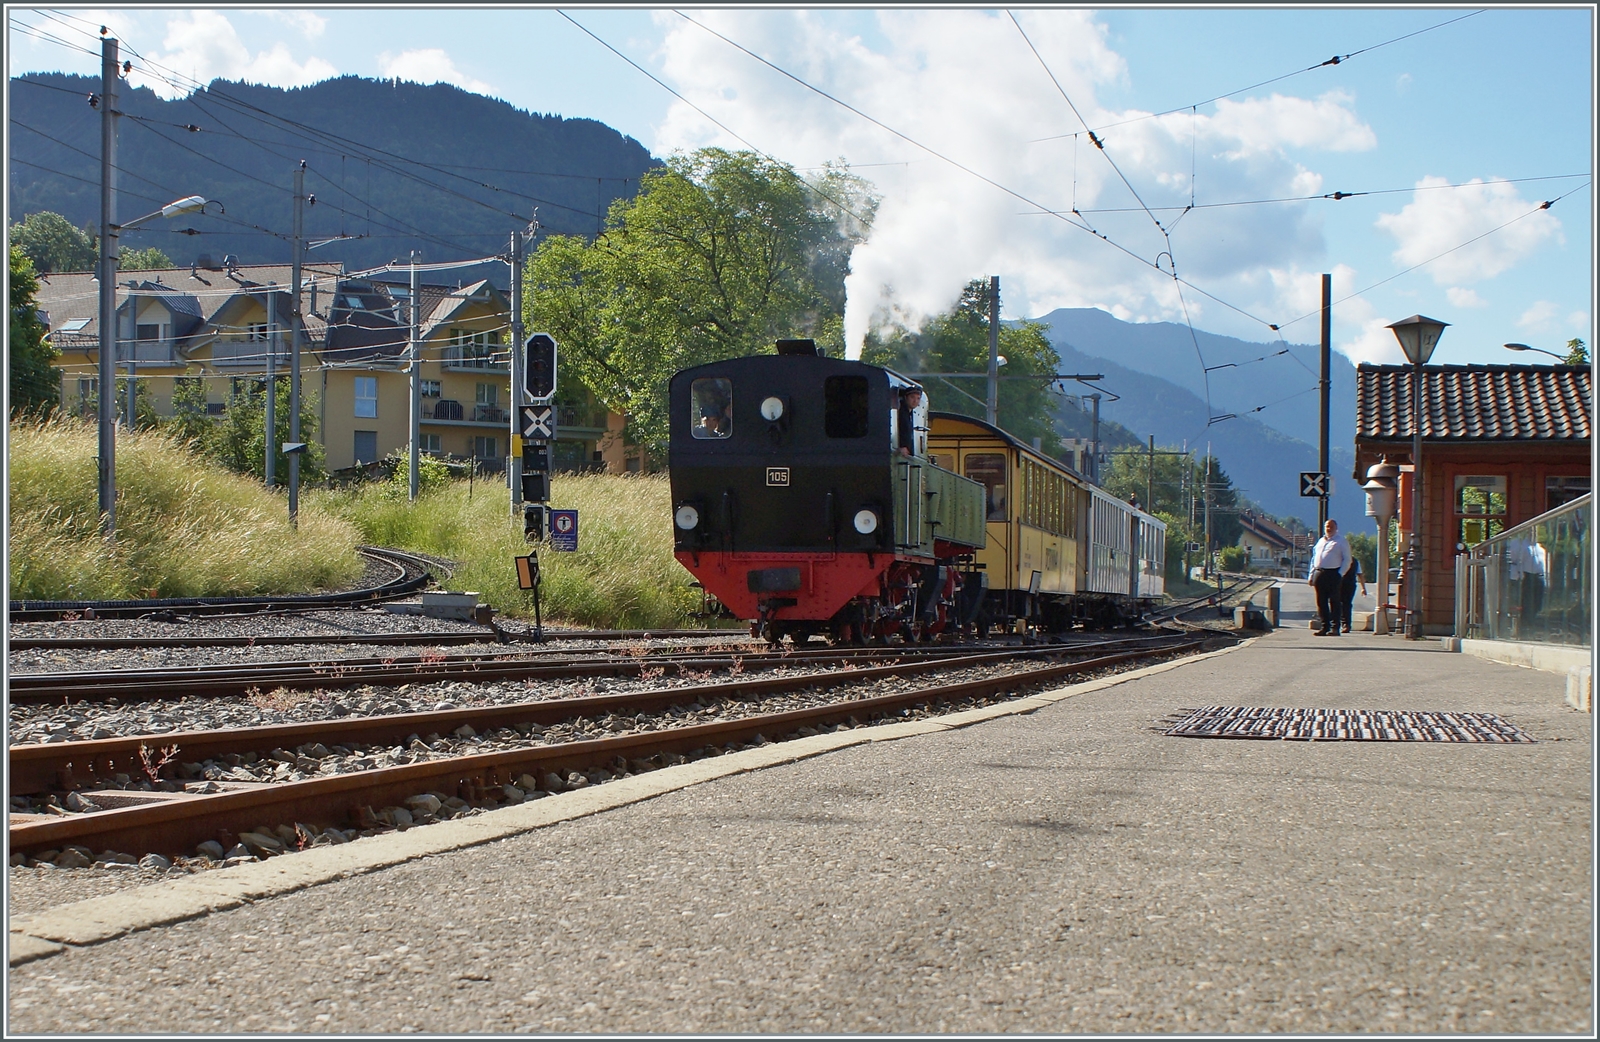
{"points": [[296, 325], [108, 286], [416, 380], [993, 405], [272, 390], [513, 457]]}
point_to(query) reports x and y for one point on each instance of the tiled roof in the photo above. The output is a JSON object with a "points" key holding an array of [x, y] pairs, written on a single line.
{"points": [[1267, 529], [1476, 403], [76, 294]]}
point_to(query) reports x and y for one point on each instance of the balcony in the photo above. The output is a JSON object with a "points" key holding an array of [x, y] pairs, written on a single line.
{"points": [[476, 359], [448, 410]]}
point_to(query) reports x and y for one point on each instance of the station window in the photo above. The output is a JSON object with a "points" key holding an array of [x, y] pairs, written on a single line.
{"points": [[711, 407], [845, 405], [1564, 490], [1480, 507], [989, 470]]}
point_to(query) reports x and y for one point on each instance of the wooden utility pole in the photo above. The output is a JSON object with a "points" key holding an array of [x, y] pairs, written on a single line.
{"points": [[416, 382], [1323, 387]]}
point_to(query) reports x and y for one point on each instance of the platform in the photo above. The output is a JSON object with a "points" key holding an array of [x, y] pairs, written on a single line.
{"points": [[1067, 869]]}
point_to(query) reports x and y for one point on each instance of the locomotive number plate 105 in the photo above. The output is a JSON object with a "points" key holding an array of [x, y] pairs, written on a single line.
{"points": [[778, 476]]}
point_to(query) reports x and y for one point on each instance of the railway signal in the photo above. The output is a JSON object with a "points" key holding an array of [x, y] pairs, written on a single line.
{"points": [[1314, 484], [539, 372]]}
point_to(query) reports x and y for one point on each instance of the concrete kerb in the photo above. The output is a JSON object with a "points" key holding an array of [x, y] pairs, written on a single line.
{"points": [[35, 936]]}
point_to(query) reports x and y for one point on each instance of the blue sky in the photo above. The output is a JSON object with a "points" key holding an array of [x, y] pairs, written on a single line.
{"points": [[1503, 94]]}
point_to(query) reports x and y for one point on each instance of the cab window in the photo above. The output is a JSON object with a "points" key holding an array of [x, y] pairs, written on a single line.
{"points": [[711, 407], [845, 406], [989, 470]]}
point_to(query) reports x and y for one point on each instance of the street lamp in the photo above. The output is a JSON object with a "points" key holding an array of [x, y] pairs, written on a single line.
{"points": [[1524, 347], [108, 351], [1418, 337], [1382, 492]]}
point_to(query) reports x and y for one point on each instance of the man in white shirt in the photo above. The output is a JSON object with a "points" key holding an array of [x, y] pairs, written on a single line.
{"points": [[1330, 559]]}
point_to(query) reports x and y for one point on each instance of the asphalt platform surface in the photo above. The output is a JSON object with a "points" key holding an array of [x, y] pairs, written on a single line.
{"points": [[1064, 870]]}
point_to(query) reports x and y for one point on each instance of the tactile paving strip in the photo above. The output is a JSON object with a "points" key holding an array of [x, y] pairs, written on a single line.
{"points": [[1341, 725]]}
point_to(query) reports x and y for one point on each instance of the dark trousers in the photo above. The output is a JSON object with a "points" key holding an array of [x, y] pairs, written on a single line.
{"points": [[1347, 595], [1328, 606]]}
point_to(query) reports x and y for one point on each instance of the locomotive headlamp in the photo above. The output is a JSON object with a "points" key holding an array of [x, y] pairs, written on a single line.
{"points": [[772, 409], [866, 522], [687, 517]]}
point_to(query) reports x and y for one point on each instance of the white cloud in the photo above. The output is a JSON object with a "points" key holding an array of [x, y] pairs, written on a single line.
{"points": [[1268, 124], [1374, 343], [1402, 83], [307, 23], [429, 65], [1537, 318], [1465, 298], [1579, 320], [202, 46], [965, 84], [1438, 219]]}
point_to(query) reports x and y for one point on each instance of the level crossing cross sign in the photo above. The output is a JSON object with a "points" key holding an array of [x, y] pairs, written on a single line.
{"points": [[1313, 484], [538, 422]]}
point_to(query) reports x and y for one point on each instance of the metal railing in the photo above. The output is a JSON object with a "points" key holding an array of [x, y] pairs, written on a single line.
{"points": [[1530, 583]]}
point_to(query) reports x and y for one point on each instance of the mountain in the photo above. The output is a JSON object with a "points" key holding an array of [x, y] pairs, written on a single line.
{"points": [[1263, 460], [436, 169], [1284, 383]]}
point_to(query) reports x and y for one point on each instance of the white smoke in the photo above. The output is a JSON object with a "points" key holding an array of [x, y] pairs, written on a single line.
{"points": [[965, 84]]}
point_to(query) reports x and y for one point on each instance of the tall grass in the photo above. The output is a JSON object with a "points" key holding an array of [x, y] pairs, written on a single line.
{"points": [[185, 527], [622, 575]]}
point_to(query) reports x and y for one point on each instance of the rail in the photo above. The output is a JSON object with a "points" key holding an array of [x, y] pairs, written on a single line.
{"points": [[1530, 583]]}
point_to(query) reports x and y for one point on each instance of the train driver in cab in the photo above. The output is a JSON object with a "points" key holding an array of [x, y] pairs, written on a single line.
{"points": [[711, 397], [905, 430]]}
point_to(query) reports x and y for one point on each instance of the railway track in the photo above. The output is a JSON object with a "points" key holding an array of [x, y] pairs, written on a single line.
{"points": [[174, 821], [411, 574], [1177, 611], [214, 681], [438, 639]]}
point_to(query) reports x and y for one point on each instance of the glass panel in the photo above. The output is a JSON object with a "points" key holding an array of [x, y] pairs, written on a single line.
{"points": [[989, 469], [711, 407], [367, 397], [1532, 582], [845, 399], [1480, 494]]}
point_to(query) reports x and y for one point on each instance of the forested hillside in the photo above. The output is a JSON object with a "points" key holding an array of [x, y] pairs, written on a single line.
{"points": [[401, 165]]}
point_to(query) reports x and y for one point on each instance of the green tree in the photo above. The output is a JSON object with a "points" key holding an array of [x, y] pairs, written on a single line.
{"points": [[958, 342], [53, 244], [35, 383], [147, 259], [238, 440], [1577, 352], [719, 255]]}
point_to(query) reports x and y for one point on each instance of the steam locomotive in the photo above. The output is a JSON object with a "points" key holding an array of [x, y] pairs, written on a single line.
{"points": [[813, 495]]}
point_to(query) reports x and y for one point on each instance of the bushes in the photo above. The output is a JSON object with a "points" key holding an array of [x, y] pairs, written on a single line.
{"points": [[623, 574], [185, 528]]}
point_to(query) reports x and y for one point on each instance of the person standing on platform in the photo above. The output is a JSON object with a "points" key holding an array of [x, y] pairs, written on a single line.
{"points": [[1347, 590], [1330, 559]]}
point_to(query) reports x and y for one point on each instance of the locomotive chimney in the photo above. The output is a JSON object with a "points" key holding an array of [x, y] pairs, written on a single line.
{"points": [[797, 347]]}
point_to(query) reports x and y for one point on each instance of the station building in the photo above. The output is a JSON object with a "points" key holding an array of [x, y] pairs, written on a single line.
{"points": [[197, 337], [1501, 444]]}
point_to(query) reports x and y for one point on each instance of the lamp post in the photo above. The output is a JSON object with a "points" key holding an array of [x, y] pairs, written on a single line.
{"points": [[1524, 347], [1418, 337], [1382, 490], [109, 232]]}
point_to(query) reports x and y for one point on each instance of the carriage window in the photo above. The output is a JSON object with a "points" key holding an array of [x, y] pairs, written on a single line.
{"points": [[711, 401], [989, 469], [845, 399]]}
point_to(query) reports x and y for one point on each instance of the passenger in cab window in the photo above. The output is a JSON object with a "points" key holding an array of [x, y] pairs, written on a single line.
{"points": [[910, 399], [712, 424]]}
